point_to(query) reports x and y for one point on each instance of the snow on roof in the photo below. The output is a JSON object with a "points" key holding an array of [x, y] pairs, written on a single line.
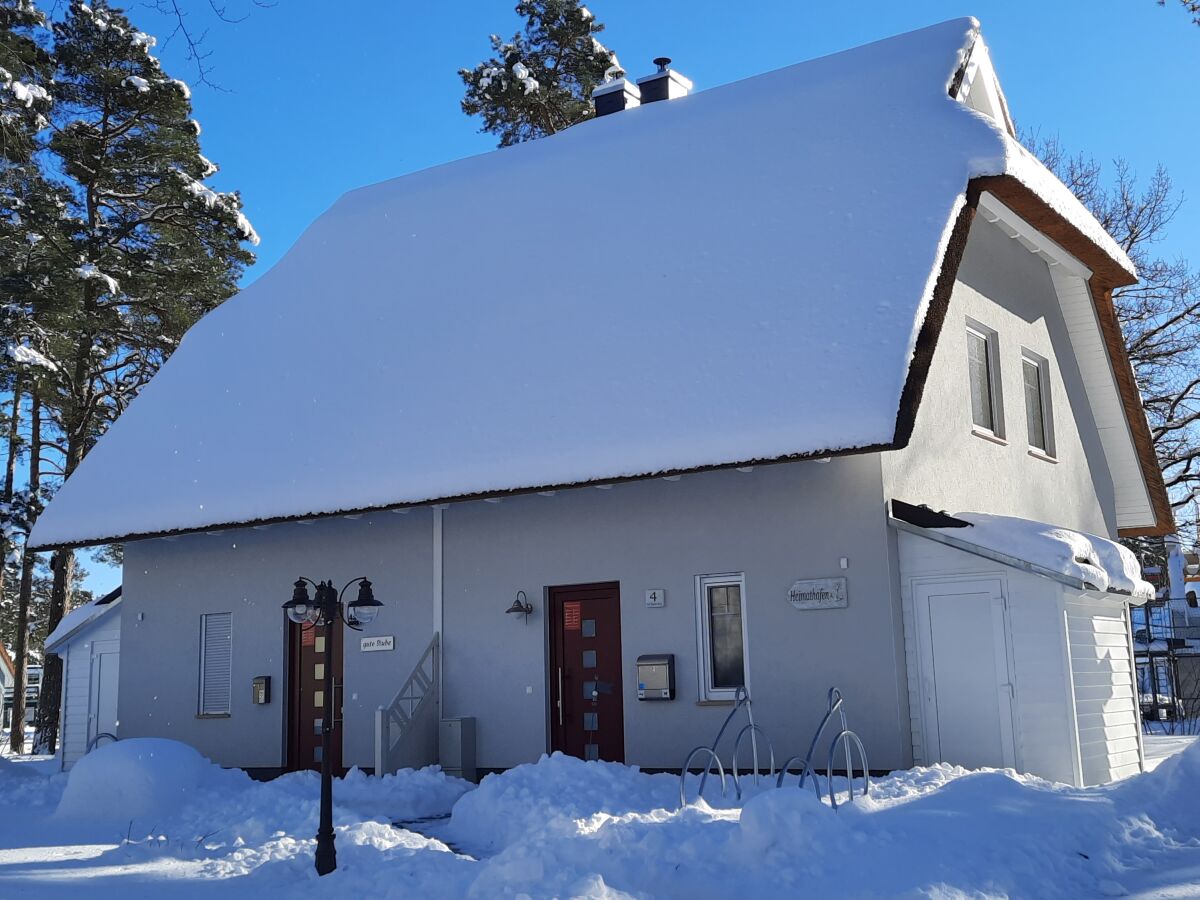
{"points": [[1102, 564], [474, 328], [81, 616]]}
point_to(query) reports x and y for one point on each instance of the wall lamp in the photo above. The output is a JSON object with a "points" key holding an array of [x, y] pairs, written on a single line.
{"points": [[521, 605]]}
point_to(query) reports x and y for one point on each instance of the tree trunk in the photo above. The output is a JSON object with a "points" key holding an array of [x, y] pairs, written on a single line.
{"points": [[10, 469], [25, 591], [45, 737]]}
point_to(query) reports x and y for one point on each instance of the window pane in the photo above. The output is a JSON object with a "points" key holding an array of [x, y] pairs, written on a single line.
{"points": [[589, 659], [1035, 417], [981, 386], [725, 635], [589, 628]]}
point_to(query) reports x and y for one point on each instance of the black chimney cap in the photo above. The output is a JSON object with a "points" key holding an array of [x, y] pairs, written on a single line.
{"points": [[662, 62]]}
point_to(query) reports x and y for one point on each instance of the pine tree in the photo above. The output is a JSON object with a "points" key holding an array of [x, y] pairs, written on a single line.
{"points": [[24, 72], [541, 80], [147, 249]]}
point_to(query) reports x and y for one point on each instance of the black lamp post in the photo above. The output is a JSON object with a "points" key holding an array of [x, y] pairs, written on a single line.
{"points": [[325, 610]]}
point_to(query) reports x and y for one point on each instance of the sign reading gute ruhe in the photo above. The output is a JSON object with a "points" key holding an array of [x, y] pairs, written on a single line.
{"points": [[818, 593]]}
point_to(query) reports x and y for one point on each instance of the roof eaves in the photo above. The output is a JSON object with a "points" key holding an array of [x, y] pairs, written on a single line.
{"points": [[460, 498]]}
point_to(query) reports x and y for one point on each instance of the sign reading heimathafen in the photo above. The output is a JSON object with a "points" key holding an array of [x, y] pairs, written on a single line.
{"points": [[818, 593]]}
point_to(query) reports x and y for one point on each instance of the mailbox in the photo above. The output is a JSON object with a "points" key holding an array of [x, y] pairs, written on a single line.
{"points": [[656, 676], [260, 690]]}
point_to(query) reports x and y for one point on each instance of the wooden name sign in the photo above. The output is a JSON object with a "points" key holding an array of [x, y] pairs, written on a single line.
{"points": [[818, 593]]}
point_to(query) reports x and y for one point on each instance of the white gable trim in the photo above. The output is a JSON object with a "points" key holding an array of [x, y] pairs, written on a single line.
{"points": [[980, 88], [1070, 277]]}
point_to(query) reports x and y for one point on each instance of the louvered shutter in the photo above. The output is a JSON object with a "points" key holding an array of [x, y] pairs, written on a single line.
{"points": [[216, 658]]}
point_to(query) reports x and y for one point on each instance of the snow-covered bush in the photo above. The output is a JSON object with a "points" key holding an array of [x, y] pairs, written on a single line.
{"points": [[137, 778]]}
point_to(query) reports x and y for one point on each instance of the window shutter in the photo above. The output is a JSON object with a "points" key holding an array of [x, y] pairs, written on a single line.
{"points": [[216, 658]]}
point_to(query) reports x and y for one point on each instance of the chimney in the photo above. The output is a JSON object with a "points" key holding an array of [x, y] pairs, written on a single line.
{"points": [[614, 96], [665, 84]]}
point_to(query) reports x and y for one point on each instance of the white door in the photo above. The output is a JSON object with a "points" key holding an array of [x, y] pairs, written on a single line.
{"points": [[102, 705], [965, 674]]}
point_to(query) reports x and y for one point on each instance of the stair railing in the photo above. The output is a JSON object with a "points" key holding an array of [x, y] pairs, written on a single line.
{"points": [[394, 721]]}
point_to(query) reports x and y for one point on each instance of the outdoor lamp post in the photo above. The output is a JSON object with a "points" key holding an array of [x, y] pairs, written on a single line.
{"points": [[325, 610]]}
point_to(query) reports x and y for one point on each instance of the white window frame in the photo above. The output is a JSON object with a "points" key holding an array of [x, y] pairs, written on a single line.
{"points": [[1043, 367], [202, 709], [703, 647], [995, 392]]}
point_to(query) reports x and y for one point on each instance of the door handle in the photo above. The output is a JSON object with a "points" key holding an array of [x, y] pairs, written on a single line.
{"points": [[560, 697]]}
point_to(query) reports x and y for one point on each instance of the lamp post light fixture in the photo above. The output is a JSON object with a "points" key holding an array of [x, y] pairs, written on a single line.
{"points": [[325, 610]]}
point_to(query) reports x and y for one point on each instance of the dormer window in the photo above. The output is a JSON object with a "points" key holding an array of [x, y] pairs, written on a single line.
{"points": [[978, 87]]}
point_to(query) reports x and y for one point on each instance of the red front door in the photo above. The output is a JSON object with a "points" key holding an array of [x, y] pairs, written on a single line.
{"points": [[306, 697], [586, 706]]}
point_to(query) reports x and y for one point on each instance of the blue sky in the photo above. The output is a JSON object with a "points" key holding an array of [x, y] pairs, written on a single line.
{"points": [[319, 98]]}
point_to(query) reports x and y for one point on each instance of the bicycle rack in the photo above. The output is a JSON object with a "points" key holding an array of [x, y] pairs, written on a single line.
{"points": [[741, 698], [95, 742], [845, 740]]}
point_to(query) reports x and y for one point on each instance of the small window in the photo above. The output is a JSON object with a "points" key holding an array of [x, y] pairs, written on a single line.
{"points": [[983, 370], [1035, 372], [721, 613], [216, 658]]}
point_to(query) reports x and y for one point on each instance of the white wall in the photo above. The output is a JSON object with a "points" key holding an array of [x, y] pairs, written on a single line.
{"points": [[1008, 289], [1105, 700], [776, 524], [170, 584], [77, 684], [1042, 714]]}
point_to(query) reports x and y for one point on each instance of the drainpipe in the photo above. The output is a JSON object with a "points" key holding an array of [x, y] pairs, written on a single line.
{"points": [[438, 616]]}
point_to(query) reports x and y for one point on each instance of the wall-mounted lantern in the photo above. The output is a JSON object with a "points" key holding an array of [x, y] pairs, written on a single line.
{"points": [[521, 605]]}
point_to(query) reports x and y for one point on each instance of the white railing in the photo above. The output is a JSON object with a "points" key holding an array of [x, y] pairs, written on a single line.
{"points": [[395, 723]]}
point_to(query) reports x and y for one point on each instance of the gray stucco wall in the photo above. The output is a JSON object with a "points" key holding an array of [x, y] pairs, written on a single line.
{"points": [[776, 524], [1007, 288], [169, 584]]}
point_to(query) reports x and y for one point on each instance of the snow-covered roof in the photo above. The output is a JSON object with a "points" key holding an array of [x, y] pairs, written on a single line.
{"points": [[735, 276], [1083, 560], [82, 617]]}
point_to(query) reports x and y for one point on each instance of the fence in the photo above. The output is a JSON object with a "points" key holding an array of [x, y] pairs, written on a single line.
{"points": [[1166, 645]]}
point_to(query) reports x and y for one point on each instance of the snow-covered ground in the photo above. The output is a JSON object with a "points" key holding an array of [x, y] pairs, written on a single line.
{"points": [[152, 818]]}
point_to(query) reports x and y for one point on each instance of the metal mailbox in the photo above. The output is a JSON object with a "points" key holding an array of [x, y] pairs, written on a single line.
{"points": [[260, 690], [656, 676]]}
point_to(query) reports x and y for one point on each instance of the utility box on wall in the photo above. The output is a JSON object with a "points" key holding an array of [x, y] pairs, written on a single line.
{"points": [[656, 676], [456, 747], [260, 690]]}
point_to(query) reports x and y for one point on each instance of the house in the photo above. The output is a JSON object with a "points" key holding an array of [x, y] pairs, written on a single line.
{"points": [[7, 680], [704, 408], [88, 640]]}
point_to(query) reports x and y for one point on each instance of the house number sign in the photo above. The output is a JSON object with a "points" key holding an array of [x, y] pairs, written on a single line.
{"points": [[818, 593]]}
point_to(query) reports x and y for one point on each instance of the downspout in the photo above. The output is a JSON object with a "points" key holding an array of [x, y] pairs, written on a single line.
{"points": [[438, 616]]}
